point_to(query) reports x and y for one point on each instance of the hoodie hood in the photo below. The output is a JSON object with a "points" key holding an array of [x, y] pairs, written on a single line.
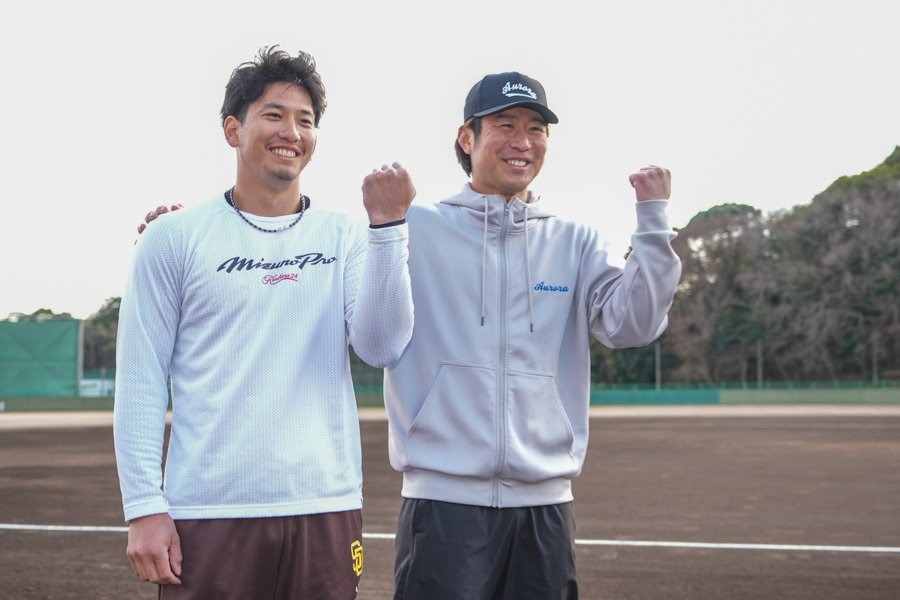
{"points": [[490, 208]]}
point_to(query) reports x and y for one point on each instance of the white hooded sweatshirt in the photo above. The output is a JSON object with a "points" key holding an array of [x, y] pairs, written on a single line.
{"points": [[488, 405]]}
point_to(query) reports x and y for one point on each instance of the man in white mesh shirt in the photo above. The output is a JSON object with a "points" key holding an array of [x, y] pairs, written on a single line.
{"points": [[248, 303]]}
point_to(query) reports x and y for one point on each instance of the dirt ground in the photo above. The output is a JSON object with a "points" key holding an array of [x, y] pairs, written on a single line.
{"points": [[794, 481]]}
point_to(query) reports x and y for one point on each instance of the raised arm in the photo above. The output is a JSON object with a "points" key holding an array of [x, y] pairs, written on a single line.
{"points": [[630, 308], [382, 316]]}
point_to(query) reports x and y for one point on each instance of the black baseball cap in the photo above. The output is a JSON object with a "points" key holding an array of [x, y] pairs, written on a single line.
{"points": [[505, 90]]}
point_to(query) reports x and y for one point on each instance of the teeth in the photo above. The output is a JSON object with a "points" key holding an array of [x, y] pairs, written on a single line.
{"points": [[517, 163], [284, 152]]}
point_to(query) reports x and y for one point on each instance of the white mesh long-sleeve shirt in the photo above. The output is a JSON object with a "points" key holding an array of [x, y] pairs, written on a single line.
{"points": [[253, 328]]}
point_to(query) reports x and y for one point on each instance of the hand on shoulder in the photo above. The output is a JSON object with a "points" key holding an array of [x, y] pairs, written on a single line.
{"points": [[159, 210]]}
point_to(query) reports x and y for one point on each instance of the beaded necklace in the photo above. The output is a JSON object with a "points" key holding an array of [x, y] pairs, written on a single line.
{"points": [[303, 201]]}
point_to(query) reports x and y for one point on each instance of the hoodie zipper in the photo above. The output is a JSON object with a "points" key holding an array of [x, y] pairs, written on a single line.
{"points": [[502, 324]]}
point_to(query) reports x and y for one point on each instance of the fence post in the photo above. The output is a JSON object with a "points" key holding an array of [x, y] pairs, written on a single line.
{"points": [[759, 364], [875, 358], [658, 358]]}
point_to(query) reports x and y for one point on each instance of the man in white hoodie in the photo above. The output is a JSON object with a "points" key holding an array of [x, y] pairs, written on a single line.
{"points": [[488, 406]]}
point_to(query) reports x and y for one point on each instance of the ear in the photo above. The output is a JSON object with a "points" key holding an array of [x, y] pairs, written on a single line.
{"points": [[232, 129], [466, 138]]}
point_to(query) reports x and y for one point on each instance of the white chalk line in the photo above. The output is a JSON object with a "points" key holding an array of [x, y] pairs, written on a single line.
{"points": [[719, 546], [22, 527], [579, 542]]}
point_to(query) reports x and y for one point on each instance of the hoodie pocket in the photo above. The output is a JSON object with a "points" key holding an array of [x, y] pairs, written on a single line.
{"points": [[454, 432], [539, 435]]}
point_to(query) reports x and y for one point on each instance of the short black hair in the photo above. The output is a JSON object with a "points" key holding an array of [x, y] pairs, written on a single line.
{"points": [[464, 159], [250, 80]]}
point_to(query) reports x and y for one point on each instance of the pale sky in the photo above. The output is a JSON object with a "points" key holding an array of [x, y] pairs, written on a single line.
{"points": [[110, 108]]}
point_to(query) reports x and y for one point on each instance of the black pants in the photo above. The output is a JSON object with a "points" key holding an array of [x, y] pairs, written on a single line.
{"points": [[460, 552]]}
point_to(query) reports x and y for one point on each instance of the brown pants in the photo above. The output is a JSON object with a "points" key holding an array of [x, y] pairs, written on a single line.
{"points": [[316, 557]]}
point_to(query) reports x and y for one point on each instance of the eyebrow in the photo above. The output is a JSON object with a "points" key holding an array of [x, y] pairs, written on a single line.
{"points": [[506, 115], [279, 106]]}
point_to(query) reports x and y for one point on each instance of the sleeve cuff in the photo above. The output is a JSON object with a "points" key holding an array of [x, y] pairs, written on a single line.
{"points": [[651, 216]]}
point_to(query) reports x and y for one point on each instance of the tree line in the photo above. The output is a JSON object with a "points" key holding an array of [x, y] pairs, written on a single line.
{"points": [[807, 293]]}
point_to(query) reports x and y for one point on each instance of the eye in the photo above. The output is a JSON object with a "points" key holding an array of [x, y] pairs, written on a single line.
{"points": [[273, 115]]}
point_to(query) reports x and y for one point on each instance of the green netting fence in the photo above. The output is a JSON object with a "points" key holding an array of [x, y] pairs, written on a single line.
{"points": [[40, 358]]}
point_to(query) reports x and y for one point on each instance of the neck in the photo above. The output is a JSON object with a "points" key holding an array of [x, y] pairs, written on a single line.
{"points": [[524, 195], [266, 201]]}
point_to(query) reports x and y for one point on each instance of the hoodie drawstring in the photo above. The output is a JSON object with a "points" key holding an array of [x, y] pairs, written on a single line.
{"points": [[528, 274]]}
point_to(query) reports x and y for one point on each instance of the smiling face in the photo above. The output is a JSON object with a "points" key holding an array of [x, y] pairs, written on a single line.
{"points": [[508, 153], [277, 138]]}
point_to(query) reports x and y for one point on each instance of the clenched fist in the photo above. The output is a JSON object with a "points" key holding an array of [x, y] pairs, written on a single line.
{"points": [[387, 194], [651, 183]]}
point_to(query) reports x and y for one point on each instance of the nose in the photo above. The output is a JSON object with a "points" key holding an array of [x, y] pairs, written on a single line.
{"points": [[520, 140], [290, 131]]}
